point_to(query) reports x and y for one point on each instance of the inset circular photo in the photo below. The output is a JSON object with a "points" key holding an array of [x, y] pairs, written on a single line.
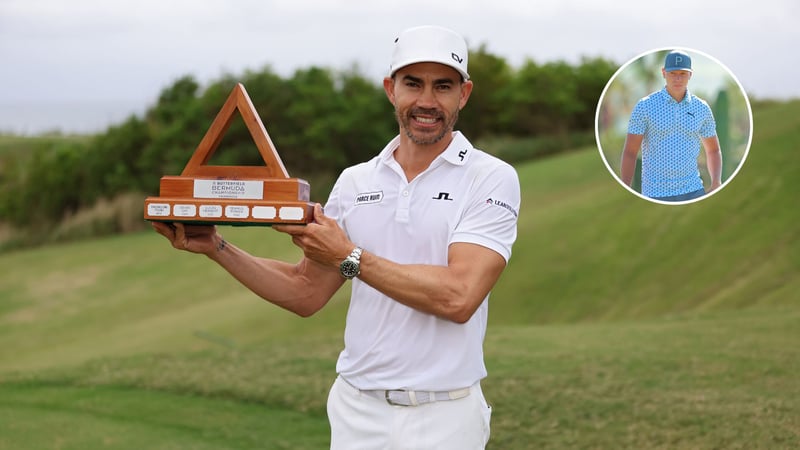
{"points": [[673, 125]]}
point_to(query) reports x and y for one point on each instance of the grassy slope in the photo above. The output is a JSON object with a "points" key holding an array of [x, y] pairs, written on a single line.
{"points": [[589, 250], [68, 303], [123, 343]]}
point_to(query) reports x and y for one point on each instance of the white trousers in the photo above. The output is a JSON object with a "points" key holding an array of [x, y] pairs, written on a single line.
{"points": [[362, 422]]}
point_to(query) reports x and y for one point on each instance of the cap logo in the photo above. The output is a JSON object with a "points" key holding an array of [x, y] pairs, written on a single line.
{"points": [[456, 58], [678, 59]]}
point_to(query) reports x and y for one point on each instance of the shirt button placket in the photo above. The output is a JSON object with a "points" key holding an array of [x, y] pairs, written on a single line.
{"points": [[403, 204]]}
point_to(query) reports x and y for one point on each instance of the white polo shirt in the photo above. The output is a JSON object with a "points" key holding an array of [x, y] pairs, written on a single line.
{"points": [[465, 195]]}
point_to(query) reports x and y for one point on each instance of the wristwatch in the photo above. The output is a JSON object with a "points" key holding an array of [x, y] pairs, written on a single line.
{"points": [[351, 266]]}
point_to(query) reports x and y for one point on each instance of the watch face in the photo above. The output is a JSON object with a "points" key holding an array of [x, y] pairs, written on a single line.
{"points": [[349, 268]]}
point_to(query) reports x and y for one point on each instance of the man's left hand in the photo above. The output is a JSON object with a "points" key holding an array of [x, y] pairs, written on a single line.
{"points": [[322, 240]]}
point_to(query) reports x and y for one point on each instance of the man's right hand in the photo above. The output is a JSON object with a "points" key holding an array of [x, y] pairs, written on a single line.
{"points": [[193, 238]]}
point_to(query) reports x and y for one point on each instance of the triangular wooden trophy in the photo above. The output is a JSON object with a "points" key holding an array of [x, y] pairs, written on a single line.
{"points": [[233, 195]]}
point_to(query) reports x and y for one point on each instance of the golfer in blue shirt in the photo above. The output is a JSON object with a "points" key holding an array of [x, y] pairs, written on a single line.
{"points": [[669, 126]]}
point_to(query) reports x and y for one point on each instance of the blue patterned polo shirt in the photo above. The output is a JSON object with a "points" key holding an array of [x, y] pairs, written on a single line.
{"points": [[672, 132]]}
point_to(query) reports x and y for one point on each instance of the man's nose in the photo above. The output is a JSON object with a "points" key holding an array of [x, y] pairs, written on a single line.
{"points": [[427, 98]]}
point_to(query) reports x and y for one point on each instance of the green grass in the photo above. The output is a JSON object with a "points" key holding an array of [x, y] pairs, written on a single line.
{"points": [[589, 250], [116, 417], [722, 381], [69, 303], [725, 380], [618, 324]]}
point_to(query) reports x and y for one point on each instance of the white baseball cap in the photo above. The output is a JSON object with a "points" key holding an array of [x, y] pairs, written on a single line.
{"points": [[430, 44]]}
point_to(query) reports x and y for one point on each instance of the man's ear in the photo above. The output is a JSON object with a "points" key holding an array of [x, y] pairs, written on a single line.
{"points": [[466, 91], [388, 87]]}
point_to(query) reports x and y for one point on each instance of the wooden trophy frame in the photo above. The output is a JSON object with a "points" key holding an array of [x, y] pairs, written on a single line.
{"points": [[232, 195]]}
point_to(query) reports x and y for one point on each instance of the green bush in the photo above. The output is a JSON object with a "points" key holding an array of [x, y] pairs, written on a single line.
{"points": [[320, 121]]}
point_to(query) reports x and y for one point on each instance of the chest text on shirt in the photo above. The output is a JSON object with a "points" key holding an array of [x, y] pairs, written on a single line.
{"points": [[369, 197]]}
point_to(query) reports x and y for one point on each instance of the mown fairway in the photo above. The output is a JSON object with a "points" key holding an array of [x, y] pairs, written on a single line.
{"points": [[618, 324]]}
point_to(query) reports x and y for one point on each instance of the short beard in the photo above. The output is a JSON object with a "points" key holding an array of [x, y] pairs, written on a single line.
{"points": [[406, 119]]}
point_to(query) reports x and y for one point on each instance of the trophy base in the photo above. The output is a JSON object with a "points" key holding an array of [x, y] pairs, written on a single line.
{"points": [[227, 211]]}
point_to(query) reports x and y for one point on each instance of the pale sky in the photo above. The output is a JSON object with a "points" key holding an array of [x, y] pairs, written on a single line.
{"points": [[79, 65]]}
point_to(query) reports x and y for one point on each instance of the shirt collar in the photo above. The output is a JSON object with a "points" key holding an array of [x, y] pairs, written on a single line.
{"points": [[687, 97], [457, 153]]}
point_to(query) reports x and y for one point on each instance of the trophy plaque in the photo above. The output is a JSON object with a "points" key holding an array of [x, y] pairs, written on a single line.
{"points": [[232, 195]]}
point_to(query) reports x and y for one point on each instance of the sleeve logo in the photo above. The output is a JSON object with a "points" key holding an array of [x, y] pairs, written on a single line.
{"points": [[502, 204]]}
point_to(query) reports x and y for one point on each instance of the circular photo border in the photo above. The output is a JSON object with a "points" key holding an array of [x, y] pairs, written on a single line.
{"points": [[711, 81]]}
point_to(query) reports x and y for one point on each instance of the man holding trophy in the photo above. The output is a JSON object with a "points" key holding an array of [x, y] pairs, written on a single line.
{"points": [[424, 231]]}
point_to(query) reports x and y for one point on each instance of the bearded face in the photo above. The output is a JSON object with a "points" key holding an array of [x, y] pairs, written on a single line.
{"points": [[426, 126], [427, 98]]}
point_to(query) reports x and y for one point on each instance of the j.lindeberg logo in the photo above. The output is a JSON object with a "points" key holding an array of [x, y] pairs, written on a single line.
{"points": [[456, 58], [369, 197], [443, 196]]}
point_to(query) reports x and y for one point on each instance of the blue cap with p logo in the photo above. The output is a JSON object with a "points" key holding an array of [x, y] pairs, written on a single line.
{"points": [[677, 60]]}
